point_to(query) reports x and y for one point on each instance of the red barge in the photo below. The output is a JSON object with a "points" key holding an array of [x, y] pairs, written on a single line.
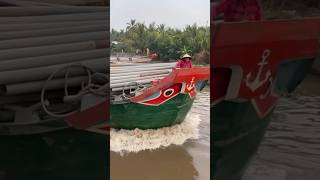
{"points": [[252, 65]]}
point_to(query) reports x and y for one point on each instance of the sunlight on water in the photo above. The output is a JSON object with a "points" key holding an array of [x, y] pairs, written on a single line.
{"points": [[138, 140]]}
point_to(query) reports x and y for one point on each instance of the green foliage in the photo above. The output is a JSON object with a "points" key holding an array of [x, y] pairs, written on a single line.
{"points": [[184, 50], [167, 42]]}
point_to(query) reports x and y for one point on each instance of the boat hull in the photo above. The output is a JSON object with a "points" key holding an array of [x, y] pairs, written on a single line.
{"points": [[238, 128], [134, 115], [164, 104], [237, 133]]}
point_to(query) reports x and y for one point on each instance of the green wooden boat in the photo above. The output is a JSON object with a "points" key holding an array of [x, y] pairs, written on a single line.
{"points": [[164, 104]]}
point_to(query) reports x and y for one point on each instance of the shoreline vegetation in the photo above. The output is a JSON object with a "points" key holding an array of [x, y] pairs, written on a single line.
{"points": [[168, 43]]}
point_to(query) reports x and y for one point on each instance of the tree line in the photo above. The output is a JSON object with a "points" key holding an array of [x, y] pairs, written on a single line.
{"points": [[168, 43]]}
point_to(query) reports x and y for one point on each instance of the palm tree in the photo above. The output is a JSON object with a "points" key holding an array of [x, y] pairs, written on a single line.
{"points": [[131, 24], [161, 28], [168, 43]]}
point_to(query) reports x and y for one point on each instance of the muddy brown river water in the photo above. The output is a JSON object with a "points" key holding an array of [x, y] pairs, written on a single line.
{"points": [[291, 147]]}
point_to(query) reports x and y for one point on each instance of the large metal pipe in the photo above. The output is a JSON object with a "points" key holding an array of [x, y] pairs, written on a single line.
{"points": [[45, 10], [139, 70], [32, 97], [38, 61], [27, 3], [137, 74], [115, 90], [119, 85], [139, 67], [6, 115], [34, 74], [21, 26], [134, 79], [36, 86], [52, 32], [56, 18], [50, 40], [129, 71], [71, 2], [50, 49], [142, 65]]}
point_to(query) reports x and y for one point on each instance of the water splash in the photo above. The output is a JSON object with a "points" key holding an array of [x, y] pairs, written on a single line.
{"points": [[137, 140]]}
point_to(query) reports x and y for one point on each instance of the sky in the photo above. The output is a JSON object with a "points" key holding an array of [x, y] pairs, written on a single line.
{"points": [[172, 13]]}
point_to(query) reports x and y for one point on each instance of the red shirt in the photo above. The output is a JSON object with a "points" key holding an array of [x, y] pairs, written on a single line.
{"points": [[237, 10], [184, 63]]}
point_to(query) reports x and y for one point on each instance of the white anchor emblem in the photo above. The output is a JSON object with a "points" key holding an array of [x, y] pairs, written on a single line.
{"points": [[256, 83], [268, 92], [191, 85]]}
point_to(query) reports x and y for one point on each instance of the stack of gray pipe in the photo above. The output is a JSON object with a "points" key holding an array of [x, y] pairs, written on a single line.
{"points": [[53, 2], [35, 41], [130, 76]]}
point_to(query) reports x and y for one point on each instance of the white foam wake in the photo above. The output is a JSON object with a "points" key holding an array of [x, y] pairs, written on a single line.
{"points": [[137, 140]]}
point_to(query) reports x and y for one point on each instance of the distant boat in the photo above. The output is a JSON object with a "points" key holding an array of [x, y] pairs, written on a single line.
{"points": [[253, 65]]}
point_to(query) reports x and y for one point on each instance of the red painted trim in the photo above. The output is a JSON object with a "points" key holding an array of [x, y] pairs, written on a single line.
{"points": [[243, 44], [176, 89], [175, 77], [89, 117], [219, 83]]}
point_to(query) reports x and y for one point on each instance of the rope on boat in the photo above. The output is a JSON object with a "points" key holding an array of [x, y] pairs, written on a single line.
{"points": [[136, 86], [100, 90]]}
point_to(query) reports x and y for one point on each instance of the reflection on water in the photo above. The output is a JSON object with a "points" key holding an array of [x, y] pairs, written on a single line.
{"points": [[173, 162], [291, 148], [66, 154], [189, 161]]}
